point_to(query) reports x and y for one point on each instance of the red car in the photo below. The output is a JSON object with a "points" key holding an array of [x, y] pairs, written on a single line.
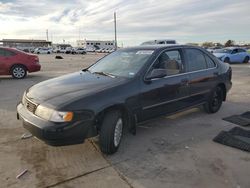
{"points": [[17, 63]]}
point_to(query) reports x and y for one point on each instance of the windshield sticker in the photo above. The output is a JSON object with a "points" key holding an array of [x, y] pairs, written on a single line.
{"points": [[145, 52]]}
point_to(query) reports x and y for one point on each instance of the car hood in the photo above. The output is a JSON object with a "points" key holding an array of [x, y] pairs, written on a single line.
{"points": [[63, 89], [219, 54]]}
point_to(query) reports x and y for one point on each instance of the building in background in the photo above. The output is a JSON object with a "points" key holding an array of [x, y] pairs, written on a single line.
{"points": [[91, 45], [25, 44]]}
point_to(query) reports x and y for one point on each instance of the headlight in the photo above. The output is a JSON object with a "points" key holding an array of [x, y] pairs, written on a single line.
{"points": [[53, 115], [23, 98]]}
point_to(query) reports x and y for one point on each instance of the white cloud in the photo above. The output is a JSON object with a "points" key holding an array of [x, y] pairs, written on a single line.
{"points": [[184, 20]]}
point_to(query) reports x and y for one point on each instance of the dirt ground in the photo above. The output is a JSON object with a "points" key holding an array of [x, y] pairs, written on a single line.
{"points": [[173, 151]]}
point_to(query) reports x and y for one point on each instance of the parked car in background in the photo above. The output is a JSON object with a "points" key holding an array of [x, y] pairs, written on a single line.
{"points": [[17, 63], [99, 50], [78, 51], [68, 50], [110, 50], [232, 54], [126, 87], [213, 49], [56, 50], [162, 41], [90, 49], [43, 51]]}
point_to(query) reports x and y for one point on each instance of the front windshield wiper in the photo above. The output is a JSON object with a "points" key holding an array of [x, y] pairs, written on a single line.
{"points": [[104, 74]]}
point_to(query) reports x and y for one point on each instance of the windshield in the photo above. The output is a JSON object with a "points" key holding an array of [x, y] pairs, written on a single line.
{"points": [[228, 51], [122, 63]]}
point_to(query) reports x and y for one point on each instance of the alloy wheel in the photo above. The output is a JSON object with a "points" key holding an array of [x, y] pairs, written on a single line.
{"points": [[118, 132]]}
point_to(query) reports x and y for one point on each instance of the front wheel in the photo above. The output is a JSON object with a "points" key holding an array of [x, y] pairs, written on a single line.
{"points": [[111, 132], [18, 71], [246, 60], [215, 101]]}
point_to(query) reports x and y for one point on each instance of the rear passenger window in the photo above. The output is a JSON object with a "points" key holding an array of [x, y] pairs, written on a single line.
{"points": [[210, 62], [196, 60], [241, 50], [6, 53]]}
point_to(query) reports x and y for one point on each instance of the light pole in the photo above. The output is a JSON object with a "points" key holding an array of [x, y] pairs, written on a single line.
{"points": [[115, 31]]}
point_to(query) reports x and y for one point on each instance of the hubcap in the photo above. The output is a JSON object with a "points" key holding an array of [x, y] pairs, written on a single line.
{"points": [[118, 132], [18, 72], [217, 99]]}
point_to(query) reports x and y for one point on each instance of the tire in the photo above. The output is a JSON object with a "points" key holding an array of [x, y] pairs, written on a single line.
{"points": [[246, 60], [48, 52], [111, 132], [18, 71], [227, 60], [215, 101]]}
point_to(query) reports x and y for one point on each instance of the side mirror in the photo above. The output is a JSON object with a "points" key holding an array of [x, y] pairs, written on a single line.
{"points": [[157, 73]]}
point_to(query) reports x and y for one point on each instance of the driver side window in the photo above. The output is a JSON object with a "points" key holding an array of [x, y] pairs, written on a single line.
{"points": [[170, 61], [235, 51]]}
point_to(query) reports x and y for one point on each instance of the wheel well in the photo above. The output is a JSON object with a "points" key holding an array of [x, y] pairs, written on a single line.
{"points": [[17, 65], [223, 87], [121, 108]]}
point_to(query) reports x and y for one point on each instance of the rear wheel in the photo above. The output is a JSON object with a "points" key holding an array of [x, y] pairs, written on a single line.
{"points": [[227, 60], [215, 101], [18, 71], [246, 60], [111, 132]]}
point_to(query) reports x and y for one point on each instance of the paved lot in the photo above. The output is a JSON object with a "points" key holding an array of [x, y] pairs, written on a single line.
{"points": [[173, 151]]}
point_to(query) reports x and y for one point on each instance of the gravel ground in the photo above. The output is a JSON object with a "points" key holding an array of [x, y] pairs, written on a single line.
{"points": [[172, 151]]}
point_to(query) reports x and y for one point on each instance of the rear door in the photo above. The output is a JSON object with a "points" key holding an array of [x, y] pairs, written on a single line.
{"points": [[168, 94], [203, 74], [237, 55], [6, 60]]}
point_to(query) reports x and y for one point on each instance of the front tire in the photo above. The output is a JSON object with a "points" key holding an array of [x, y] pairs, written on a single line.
{"points": [[215, 101], [111, 132], [246, 60], [18, 72]]}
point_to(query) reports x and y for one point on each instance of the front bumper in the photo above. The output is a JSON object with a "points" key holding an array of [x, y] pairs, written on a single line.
{"points": [[56, 134]]}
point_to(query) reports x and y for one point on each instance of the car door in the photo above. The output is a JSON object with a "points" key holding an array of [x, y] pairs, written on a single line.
{"points": [[167, 94], [236, 56], [242, 54], [203, 74], [5, 60]]}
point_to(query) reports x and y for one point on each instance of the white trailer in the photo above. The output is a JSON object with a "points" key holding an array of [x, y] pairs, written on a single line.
{"points": [[93, 45]]}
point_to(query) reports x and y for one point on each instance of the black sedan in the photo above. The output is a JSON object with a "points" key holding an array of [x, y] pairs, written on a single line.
{"points": [[122, 89]]}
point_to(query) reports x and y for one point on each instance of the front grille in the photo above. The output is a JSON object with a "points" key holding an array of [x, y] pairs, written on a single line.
{"points": [[30, 105]]}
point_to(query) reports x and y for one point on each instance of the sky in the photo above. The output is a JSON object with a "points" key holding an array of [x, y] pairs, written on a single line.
{"points": [[137, 21]]}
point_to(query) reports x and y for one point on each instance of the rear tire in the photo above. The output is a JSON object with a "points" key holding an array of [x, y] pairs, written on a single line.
{"points": [[246, 60], [18, 71], [215, 101], [111, 132], [227, 60]]}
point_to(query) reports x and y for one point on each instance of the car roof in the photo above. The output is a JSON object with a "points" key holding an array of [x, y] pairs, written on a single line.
{"points": [[232, 48], [162, 46]]}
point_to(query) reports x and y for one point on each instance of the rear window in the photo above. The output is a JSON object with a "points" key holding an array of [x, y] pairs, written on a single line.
{"points": [[210, 62], [6, 53], [196, 60]]}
